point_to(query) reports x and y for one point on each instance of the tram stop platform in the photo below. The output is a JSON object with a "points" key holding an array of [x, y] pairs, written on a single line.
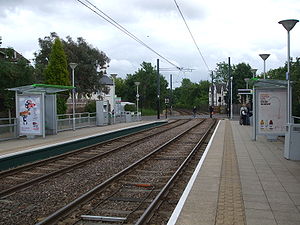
{"points": [[23, 144], [240, 181]]}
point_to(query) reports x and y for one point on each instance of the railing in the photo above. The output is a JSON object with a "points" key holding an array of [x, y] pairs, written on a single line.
{"points": [[65, 121], [8, 128], [296, 119]]}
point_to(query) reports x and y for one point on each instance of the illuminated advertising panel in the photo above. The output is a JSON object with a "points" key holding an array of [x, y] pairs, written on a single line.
{"points": [[271, 111], [30, 114]]}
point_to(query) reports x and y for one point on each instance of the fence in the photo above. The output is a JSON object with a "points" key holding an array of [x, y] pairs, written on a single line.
{"points": [[65, 121], [8, 128]]}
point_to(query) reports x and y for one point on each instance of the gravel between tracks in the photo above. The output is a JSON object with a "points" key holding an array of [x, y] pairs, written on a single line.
{"points": [[38, 201]]}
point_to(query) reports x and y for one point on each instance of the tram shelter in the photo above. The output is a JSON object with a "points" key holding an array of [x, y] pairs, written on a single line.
{"points": [[36, 109], [269, 108]]}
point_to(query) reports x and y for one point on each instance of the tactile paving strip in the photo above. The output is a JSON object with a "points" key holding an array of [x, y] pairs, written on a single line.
{"points": [[230, 209]]}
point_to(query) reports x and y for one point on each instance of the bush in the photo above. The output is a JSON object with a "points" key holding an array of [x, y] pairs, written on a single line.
{"points": [[148, 112], [130, 108], [90, 107]]}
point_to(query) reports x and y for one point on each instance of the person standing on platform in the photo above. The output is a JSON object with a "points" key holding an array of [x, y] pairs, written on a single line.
{"points": [[211, 111], [243, 115], [194, 111]]}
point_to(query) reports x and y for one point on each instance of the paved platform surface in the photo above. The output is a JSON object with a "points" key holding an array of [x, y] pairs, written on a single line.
{"points": [[241, 182], [24, 144]]}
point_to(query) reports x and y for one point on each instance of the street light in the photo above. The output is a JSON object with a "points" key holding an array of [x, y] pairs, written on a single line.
{"points": [[288, 25], [247, 86], [231, 113], [137, 97], [73, 65], [264, 57], [254, 72], [114, 75]]}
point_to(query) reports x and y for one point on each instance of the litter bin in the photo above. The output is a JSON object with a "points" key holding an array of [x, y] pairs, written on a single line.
{"points": [[127, 117], [292, 142]]}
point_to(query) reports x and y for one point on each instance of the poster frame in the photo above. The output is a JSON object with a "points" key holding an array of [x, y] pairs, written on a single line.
{"points": [[41, 114]]}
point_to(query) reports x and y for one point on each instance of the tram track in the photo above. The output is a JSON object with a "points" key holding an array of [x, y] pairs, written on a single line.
{"points": [[130, 196], [35, 202], [24, 176]]}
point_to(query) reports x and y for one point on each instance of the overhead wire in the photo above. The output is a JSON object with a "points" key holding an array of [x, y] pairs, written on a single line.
{"points": [[191, 35], [110, 20]]}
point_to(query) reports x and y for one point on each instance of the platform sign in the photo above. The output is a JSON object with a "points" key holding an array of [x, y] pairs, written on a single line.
{"points": [[30, 111], [271, 111]]}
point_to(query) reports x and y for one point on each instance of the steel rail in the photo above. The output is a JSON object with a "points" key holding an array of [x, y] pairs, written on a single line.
{"points": [[53, 158], [71, 167], [148, 212], [88, 195]]}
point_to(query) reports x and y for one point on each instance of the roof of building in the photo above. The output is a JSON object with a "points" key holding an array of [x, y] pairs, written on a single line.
{"points": [[15, 55], [106, 80]]}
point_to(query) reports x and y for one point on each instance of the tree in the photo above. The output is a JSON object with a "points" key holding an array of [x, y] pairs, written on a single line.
{"points": [[280, 74], [191, 94], [239, 73], [147, 76], [89, 61], [56, 73], [13, 74], [222, 73], [88, 58]]}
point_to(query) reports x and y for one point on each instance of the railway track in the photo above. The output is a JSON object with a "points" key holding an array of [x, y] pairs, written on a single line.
{"points": [[24, 176], [40, 199], [132, 195]]}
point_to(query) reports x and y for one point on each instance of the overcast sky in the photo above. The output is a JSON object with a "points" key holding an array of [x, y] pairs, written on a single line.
{"points": [[240, 29]]}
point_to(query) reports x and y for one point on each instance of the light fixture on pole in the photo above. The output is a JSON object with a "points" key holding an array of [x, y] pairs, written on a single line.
{"points": [[288, 25], [264, 57], [247, 86], [114, 75], [137, 97], [231, 108], [73, 65], [254, 72]]}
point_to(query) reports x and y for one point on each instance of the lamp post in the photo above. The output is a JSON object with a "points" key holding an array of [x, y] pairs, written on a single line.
{"points": [[114, 75], [73, 65], [247, 86], [137, 97], [288, 25], [264, 57], [231, 113], [253, 72]]}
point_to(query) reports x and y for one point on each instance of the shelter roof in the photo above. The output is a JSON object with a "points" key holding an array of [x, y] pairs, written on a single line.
{"points": [[41, 88], [267, 83]]}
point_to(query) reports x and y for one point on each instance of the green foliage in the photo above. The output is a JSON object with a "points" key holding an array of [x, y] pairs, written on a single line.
{"points": [[148, 112], [130, 108], [147, 76], [222, 73], [88, 58], [90, 107], [61, 104], [56, 72], [239, 73], [13, 75], [191, 94], [280, 74]]}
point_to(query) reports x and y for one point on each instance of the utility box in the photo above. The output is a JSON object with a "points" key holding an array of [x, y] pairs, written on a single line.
{"points": [[101, 113], [128, 117], [292, 142]]}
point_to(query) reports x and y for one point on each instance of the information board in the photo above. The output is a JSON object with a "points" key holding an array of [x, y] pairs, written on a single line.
{"points": [[30, 114], [271, 111]]}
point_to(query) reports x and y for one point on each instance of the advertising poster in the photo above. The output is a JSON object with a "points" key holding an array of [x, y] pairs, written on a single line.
{"points": [[272, 111], [30, 116]]}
